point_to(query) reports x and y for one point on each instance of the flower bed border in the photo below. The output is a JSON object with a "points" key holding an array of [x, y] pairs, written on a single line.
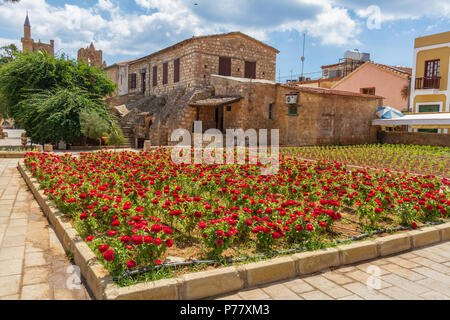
{"points": [[198, 285], [12, 154]]}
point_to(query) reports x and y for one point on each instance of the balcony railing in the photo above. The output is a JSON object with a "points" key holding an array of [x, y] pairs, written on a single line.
{"points": [[428, 83]]}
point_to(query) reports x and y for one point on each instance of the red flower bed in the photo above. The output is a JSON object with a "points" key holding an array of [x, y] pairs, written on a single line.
{"points": [[131, 207]]}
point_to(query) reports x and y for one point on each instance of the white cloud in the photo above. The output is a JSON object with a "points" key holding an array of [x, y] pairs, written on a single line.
{"points": [[400, 9], [158, 23]]}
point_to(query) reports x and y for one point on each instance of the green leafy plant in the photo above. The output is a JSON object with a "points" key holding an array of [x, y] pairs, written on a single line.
{"points": [[93, 126], [115, 136], [55, 115]]}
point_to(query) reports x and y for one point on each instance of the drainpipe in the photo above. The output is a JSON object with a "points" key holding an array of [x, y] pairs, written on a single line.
{"points": [[409, 95]]}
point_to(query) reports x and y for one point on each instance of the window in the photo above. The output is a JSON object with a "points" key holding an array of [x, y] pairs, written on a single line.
{"points": [[292, 110], [144, 81], [155, 76], [432, 68], [176, 70], [370, 91], [165, 72], [271, 117], [250, 70], [133, 81], [429, 108], [228, 108], [224, 66]]}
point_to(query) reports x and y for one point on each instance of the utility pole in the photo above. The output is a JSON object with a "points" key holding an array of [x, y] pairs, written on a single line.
{"points": [[303, 54]]}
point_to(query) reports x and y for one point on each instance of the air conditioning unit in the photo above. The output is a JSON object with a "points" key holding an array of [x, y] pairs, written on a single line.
{"points": [[291, 98]]}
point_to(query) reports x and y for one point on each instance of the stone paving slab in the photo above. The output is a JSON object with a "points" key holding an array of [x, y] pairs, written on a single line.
{"points": [[33, 263], [422, 274]]}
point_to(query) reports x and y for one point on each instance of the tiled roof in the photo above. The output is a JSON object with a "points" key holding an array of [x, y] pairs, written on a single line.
{"points": [[398, 70]]}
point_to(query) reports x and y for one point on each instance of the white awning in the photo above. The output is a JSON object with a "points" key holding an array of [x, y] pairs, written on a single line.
{"points": [[434, 120]]}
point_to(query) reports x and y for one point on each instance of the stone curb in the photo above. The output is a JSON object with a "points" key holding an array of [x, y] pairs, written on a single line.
{"points": [[12, 154], [207, 284]]}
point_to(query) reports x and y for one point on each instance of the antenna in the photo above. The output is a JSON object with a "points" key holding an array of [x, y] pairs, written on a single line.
{"points": [[303, 55]]}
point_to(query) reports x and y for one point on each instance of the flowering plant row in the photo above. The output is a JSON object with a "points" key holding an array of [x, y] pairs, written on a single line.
{"points": [[132, 208]]}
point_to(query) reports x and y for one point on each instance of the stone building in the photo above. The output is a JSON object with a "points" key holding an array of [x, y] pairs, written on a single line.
{"points": [[315, 116], [191, 63], [28, 43], [92, 56], [227, 81]]}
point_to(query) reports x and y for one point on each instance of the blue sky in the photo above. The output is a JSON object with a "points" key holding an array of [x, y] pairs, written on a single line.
{"points": [[132, 28]]}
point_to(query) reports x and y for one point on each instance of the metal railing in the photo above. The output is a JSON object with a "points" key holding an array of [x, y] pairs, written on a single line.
{"points": [[428, 83]]}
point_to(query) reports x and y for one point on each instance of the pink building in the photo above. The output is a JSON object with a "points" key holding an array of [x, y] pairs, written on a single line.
{"points": [[378, 79]]}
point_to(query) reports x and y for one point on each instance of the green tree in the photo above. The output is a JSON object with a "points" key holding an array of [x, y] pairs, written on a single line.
{"points": [[93, 126], [59, 114], [8, 53], [35, 72]]}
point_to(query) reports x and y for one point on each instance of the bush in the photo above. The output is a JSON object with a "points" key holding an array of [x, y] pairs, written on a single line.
{"points": [[37, 72], [56, 115], [115, 137], [93, 126]]}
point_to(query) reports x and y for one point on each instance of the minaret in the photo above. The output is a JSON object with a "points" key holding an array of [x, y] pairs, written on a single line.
{"points": [[27, 41], [27, 28]]}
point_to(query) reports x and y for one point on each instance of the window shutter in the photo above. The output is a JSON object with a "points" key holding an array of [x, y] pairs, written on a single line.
{"points": [[250, 70], [155, 76], [165, 72], [224, 66], [176, 70]]}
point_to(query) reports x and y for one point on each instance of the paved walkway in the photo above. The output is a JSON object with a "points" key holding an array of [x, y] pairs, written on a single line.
{"points": [[423, 274], [33, 264]]}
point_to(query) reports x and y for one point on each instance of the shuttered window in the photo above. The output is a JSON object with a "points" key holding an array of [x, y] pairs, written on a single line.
{"points": [[224, 66], [133, 81], [250, 70], [165, 72], [176, 70], [155, 76]]}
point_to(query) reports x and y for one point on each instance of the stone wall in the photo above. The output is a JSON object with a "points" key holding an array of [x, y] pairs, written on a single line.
{"points": [[323, 118], [417, 138]]}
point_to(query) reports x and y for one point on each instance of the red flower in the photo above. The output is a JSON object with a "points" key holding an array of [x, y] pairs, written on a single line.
{"points": [[158, 262], [414, 225], [125, 239], [157, 241], [112, 233], [276, 235], [137, 239], [103, 248], [169, 243], [309, 227], [131, 264], [148, 239], [115, 223], [109, 255], [83, 216], [89, 238]]}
